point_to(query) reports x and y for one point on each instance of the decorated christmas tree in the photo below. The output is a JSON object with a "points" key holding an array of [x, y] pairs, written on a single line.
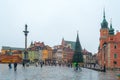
{"points": [[78, 56]]}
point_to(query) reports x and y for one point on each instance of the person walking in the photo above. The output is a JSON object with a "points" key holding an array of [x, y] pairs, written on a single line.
{"points": [[15, 66], [41, 64], [76, 66], [10, 67], [23, 64]]}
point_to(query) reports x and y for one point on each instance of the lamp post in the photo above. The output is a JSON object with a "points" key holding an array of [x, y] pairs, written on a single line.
{"points": [[104, 46], [25, 53]]}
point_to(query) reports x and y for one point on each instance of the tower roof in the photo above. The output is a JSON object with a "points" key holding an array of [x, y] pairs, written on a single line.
{"points": [[111, 30], [104, 23]]}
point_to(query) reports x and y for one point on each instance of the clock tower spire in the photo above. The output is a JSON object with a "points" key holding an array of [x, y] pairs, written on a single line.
{"points": [[104, 31]]}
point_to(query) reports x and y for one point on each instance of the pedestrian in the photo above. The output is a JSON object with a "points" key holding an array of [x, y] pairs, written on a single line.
{"points": [[71, 65], [76, 66], [36, 64], [41, 64], [15, 66], [23, 64], [10, 66]]}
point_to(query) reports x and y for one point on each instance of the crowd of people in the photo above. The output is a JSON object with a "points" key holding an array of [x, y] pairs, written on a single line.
{"points": [[15, 66], [76, 66]]}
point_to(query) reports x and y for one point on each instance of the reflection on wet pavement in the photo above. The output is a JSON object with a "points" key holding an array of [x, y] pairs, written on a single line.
{"points": [[53, 73]]}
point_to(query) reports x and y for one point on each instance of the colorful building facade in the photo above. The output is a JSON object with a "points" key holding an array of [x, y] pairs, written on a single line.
{"points": [[38, 51], [68, 50]]}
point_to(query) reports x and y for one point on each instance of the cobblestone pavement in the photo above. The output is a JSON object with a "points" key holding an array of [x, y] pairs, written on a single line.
{"points": [[53, 73]]}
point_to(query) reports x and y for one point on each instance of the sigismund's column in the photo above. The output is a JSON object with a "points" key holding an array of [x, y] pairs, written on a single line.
{"points": [[26, 33]]}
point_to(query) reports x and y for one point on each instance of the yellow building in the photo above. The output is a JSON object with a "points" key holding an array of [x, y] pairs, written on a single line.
{"points": [[44, 54], [47, 53]]}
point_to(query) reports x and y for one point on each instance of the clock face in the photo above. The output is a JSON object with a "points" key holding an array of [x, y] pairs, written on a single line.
{"points": [[104, 32]]}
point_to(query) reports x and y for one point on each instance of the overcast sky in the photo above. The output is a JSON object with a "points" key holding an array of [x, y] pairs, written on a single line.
{"points": [[51, 20]]}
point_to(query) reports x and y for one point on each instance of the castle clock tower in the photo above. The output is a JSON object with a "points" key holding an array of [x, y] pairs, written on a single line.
{"points": [[104, 31]]}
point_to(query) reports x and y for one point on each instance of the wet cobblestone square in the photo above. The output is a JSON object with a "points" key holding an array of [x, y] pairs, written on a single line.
{"points": [[53, 73]]}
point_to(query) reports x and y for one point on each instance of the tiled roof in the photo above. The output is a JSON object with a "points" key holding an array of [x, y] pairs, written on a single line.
{"points": [[41, 44], [12, 48], [71, 43], [85, 52]]}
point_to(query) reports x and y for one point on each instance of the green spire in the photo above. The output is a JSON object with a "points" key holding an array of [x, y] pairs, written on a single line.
{"points": [[104, 23], [78, 55], [104, 14], [111, 30]]}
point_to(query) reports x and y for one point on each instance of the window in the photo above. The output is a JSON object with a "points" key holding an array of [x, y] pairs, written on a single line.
{"points": [[111, 39], [115, 62], [115, 46], [115, 55]]}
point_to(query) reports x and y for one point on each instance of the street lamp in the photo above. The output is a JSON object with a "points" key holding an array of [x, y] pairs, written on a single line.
{"points": [[104, 46]]}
